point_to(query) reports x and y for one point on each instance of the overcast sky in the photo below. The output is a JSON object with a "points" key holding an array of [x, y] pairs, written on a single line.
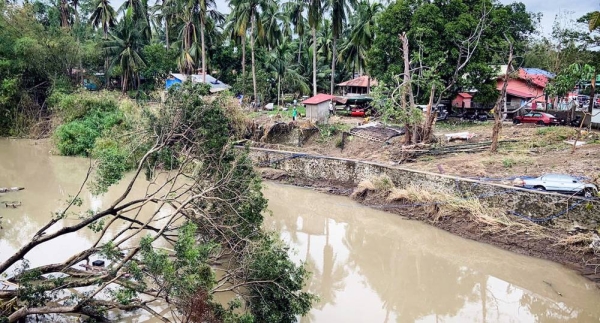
{"points": [[549, 9]]}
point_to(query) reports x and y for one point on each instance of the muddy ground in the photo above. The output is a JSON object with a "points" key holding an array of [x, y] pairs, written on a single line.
{"points": [[528, 150]]}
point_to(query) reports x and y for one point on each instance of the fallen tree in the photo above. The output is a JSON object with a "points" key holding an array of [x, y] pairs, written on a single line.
{"points": [[194, 233]]}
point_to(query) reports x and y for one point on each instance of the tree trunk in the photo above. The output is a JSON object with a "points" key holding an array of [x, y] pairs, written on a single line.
{"points": [[333, 49], [592, 93], [499, 102], [244, 54], [253, 66], [411, 129], [278, 91], [106, 80], [167, 33], [299, 49], [203, 50], [314, 37]]}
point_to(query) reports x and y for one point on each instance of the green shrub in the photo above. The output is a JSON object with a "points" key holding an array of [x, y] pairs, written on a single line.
{"points": [[112, 165], [75, 138]]}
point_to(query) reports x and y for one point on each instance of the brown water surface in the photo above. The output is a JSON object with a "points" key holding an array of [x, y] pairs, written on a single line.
{"points": [[368, 266], [372, 266]]}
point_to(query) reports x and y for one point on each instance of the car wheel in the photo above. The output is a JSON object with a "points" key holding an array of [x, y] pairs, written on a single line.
{"points": [[539, 188], [541, 123], [516, 121], [588, 192]]}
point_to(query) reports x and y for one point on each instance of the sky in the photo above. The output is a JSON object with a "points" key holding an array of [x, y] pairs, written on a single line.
{"points": [[551, 8]]}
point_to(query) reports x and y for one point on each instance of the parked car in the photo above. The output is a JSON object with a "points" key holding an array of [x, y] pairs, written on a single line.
{"points": [[540, 118], [558, 183], [473, 115], [442, 112]]}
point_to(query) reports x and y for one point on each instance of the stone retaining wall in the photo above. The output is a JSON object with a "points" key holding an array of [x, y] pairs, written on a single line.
{"points": [[547, 208]]}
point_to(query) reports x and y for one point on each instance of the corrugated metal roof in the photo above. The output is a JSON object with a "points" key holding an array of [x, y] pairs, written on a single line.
{"points": [[465, 95], [361, 81], [215, 85], [538, 71], [319, 98]]}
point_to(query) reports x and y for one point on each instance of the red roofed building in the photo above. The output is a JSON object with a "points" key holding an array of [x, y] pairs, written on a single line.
{"points": [[317, 107], [462, 100], [358, 86], [522, 88]]}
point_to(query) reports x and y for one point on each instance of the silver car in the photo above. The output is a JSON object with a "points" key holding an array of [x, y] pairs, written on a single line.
{"points": [[558, 183]]}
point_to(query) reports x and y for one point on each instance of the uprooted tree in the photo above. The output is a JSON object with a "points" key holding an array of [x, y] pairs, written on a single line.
{"points": [[195, 232]]}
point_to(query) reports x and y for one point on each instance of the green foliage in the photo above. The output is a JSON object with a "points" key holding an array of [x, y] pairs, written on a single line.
{"points": [[435, 31], [87, 116], [281, 299]]}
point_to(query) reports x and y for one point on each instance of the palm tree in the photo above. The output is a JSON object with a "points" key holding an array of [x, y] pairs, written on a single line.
{"points": [[238, 26], [295, 11], [362, 34], [338, 20], [272, 20], [139, 17], [247, 11], [204, 9], [315, 14], [125, 44], [105, 16], [188, 43], [167, 11]]}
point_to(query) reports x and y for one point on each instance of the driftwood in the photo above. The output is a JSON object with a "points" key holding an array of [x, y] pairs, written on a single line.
{"points": [[10, 189], [13, 204]]}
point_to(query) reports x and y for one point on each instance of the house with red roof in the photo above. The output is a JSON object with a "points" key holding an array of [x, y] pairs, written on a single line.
{"points": [[317, 107], [523, 86], [462, 100], [359, 86]]}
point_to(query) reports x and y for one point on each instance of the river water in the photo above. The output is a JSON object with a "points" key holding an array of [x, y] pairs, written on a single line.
{"points": [[367, 265]]}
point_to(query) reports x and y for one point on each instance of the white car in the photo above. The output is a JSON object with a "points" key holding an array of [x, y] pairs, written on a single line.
{"points": [[558, 183]]}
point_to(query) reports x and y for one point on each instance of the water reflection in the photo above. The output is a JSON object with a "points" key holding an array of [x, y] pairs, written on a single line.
{"points": [[370, 266]]}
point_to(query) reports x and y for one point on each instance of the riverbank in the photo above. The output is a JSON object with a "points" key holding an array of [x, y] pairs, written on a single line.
{"points": [[565, 238]]}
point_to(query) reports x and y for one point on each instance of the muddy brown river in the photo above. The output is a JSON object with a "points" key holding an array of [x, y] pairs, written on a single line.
{"points": [[367, 265]]}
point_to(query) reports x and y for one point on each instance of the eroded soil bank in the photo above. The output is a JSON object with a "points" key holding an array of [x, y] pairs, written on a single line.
{"points": [[570, 247]]}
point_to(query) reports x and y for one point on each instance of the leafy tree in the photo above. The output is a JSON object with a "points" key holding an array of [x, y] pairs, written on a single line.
{"points": [[216, 221]]}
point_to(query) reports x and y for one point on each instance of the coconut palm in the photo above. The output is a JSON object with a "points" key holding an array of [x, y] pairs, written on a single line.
{"points": [[139, 17], [279, 61], [295, 12], [167, 11], [272, 20], [239, 39], [204, 10], [188, 43], [104, 16], [362, 34], [339, 8], [237, 26], [247, 12], [315, 15], [125, 45]]}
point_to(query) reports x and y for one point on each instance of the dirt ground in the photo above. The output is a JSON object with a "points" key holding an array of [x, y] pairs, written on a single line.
{"points": [[528, 150]]}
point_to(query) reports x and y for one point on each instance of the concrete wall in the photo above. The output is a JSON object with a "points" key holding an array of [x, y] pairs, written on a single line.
{"points": [[537, 205]]}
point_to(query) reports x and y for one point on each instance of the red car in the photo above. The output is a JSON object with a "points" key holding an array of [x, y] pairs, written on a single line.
{"points": [[540, 118]]}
